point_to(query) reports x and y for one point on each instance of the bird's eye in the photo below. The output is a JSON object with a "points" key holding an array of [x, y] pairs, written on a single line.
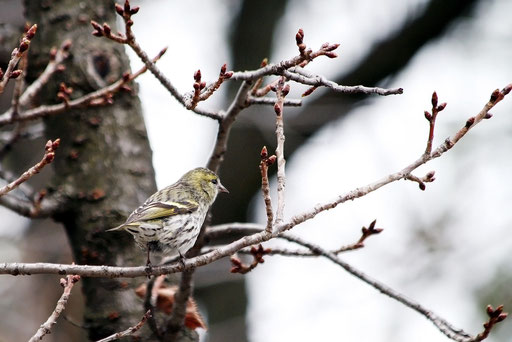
{"points": [[214, 181]]}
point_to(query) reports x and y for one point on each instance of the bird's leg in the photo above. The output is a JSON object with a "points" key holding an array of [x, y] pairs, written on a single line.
{"points": [[148, 263], [182, 261]]}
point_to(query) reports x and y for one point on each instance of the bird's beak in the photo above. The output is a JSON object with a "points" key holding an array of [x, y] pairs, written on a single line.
{"points": [[222, 188]]}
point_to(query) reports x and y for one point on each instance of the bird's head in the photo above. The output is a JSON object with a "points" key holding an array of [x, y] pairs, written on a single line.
{"points": [[205, 182]]}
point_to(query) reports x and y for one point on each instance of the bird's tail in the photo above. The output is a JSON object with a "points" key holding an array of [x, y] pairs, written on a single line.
{"points": [[116, 228]]}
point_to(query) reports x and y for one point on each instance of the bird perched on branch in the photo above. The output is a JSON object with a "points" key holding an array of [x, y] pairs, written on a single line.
{"points": [[170, 220]]}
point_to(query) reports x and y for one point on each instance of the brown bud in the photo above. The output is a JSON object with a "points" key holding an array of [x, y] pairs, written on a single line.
{"points": [[434, 99], [332, 47], [277, 109], [129, 22], [15, 74], [127, 6], [331, 54], [428, 116], [494, 96], [441, 106], [489, 309], [507, 89], [264, 62], [95, 25], [25, 43], [197, 75], [488, 116], [264, 152], [501, 317], [422, 186], [286, 90], [228, 74], [56, 143], [97, 33], [106, 29], [119, 9], [223, 69], [31, 32], [202, 85], [67, 44], [196, 86], [470, 122], [61, 96], [48, 146], [134, 10], [430, 174], [49, 157], [299, 36], [271, 160]]}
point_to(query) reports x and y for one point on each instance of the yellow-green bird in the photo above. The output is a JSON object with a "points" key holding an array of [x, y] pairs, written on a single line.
{"points": [[170, 220]]}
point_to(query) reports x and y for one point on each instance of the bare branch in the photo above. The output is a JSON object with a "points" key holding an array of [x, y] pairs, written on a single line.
{"points": [[56, 58], [48, 157], [265, 162], [281, 92], [36, 209], [221, 143], [128, 332], [67, 283], [271, 101], [99, 97], [299, 75], [443, 325], [126, 13], [16, 55]]}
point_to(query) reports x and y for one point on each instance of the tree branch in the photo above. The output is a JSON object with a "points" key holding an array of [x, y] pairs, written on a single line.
{"points": [[128, 332], [46, 327], [48, 157], [443, 325]]}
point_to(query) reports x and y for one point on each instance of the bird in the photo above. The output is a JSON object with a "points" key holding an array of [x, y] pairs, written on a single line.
{"points": [[170, 220]]}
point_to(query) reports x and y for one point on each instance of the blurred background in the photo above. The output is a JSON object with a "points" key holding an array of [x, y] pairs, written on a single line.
{"points": [[447, 247]]}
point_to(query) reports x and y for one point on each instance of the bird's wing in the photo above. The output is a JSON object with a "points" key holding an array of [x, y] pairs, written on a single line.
{"points": [[156, 210]]}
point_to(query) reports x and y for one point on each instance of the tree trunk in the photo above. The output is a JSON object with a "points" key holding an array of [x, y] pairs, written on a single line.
{"points": [[103, 166]]}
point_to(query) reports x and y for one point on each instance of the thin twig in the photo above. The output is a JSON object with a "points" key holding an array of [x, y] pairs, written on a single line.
{"points": [[126, 12], [265, 162], [281, 92], [299, 75], [128, 332], [16, 55], [271, 101], [57, 56], [443, 325], [26, 208], [67, 283], [221, 143], [48, 157]]}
